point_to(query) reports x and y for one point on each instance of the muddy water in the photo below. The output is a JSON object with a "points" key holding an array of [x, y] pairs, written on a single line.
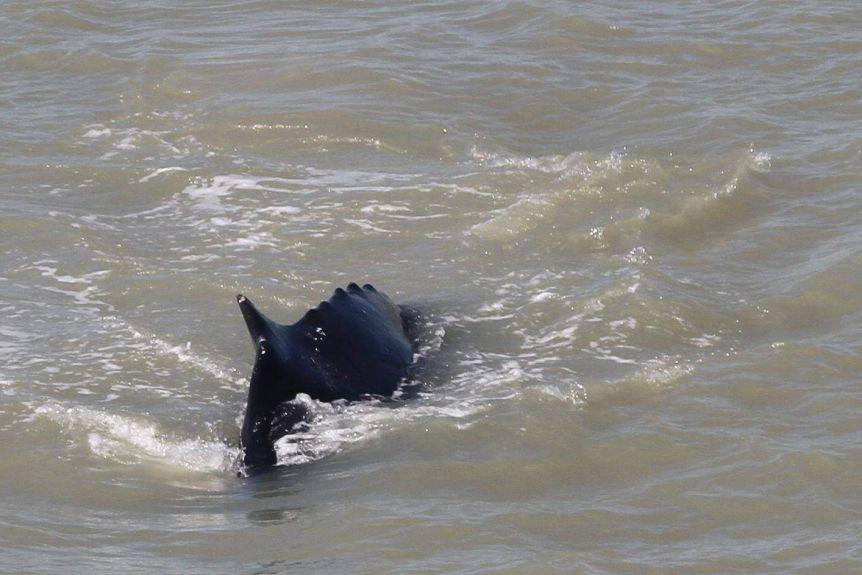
{"points": [[634, 230]]}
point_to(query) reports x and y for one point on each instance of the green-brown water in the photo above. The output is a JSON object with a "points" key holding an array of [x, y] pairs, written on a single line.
{"points": [[635, 230]]}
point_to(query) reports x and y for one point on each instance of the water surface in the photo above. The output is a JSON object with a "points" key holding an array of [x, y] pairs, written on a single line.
{"points": [[634, 228]]}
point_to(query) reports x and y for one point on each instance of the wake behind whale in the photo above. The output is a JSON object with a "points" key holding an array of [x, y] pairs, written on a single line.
{"points": [[356, 345]]}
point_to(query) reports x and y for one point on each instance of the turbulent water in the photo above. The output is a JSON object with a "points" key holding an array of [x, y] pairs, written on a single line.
{"points": [[634, 228]]}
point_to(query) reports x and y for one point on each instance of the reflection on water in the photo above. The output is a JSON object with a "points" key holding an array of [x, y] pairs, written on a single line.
{"points": [[271, 516]]}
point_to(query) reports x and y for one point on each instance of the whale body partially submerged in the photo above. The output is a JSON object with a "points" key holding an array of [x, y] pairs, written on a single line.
{"points": [[356, 345]]}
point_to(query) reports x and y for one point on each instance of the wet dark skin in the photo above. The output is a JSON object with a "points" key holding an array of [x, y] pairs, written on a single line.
{"points": [[357, 344]]}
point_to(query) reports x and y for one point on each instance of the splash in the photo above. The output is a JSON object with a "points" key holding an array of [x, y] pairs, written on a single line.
{"points": [[133, 440]]}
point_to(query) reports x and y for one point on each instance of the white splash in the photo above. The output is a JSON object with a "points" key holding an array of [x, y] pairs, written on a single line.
{"points": [[161, 171], [133, 440]]}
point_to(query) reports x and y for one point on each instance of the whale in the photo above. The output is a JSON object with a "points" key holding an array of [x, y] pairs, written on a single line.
{"points": [[356, 345]]}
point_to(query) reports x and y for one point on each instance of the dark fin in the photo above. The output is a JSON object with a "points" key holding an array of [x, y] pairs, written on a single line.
{"points": [[312, 315], [259, 326], [339, 293], [287, 417], [353, 287], [370, 288], [255, 439]]}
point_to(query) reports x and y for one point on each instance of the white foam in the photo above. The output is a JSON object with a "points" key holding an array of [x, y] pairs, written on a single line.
{"points": [[385, 208], [209, 195], [706, 340], [131, 139], [353, 180], [185, 354], [550, 164], [83, 297], [97, 132], [759, 161], [563, 334], [279, 210], [542, 296], [573, 394], [366, 225], [208, 198], [577, 175], [324, 139], [253, 240], [663, 372], [51, 272], [127, 143], [161, 171], [338, 425], [258, 127], [133, 440]]}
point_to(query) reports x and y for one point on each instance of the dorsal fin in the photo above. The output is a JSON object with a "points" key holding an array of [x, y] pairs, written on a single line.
{"points": [[259, 326], [255, 438]]}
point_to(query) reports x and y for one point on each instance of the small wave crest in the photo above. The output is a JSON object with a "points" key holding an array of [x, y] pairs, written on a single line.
{"points": [[138, 339], [654, 376], [577, 175], [727, 202], [639, 196], [114, 141], [132, 440]]}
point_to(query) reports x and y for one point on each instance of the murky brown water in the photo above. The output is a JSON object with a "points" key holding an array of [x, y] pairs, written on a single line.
{"points": [[635, 231]]}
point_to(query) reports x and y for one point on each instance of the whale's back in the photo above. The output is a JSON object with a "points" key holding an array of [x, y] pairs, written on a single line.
{"points": [[353, 345]]}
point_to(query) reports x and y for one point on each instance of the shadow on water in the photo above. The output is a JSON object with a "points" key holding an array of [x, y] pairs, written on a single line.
{"points": [[279, 485]]}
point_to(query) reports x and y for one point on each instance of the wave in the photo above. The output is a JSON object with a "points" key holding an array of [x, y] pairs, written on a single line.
{"points": [[653, 376], [638, 197], [184, 354], [134, 440]]}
